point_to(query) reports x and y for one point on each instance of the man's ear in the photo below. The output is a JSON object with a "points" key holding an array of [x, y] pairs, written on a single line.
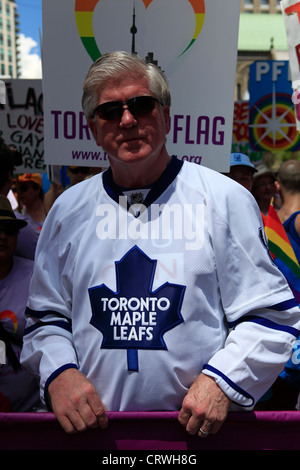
{"points": [[94, 130]]}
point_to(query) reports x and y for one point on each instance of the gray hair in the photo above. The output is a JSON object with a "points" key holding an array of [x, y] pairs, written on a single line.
{"points": [[112, 66]]}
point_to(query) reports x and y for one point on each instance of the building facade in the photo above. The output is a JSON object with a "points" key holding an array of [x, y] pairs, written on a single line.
{"points": [[9, 55], [262, 36], [260, 6]]}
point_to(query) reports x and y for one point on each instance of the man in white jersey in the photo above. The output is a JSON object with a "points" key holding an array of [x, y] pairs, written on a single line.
{"points": [[153, 288]]}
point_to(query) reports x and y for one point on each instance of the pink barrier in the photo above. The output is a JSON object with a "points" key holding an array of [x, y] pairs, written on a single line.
{"points": [[152, 431]]}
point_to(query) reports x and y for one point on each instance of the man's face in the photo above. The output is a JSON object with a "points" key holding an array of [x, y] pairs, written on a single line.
{"points": [[243, 175], [28, 192], [130, 138], [264, 188], [8, 241]]}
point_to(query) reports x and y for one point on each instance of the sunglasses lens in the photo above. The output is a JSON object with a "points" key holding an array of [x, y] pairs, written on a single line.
{"points": [[24, 187], [9, 230], [76, 171], [141, 105], [111, 110], [137, 106]]}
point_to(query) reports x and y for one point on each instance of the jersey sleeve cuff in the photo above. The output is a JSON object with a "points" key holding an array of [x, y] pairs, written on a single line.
{"points": [[236, 394]]}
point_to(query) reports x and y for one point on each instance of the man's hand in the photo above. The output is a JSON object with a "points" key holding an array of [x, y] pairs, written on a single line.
{"points": [[76, 402], [204, 407]]}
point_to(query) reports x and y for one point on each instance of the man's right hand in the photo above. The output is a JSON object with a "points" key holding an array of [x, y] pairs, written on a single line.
{"points": [[76, 402]]}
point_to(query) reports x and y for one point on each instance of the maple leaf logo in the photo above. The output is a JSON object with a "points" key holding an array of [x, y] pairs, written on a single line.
{"points": [[135, 317]]}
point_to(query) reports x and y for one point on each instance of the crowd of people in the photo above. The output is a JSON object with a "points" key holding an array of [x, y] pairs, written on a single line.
{"points": [[105, 328], [279, 191], [22, 214]]}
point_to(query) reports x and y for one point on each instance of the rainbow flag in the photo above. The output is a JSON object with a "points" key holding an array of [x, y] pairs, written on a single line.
{"points": [[282, 251]]}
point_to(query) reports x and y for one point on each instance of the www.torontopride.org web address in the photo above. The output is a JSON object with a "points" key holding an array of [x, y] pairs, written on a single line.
{"points": [[89, 155], [83, 155]]}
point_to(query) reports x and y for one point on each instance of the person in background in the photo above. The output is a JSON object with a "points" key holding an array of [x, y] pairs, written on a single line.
{"points": [[263, 187], [18, 385], [241, 170], [94, 170], [283, 233], [108, 328], [288, 187], [51, 195], [31, 198], [28, 237], [77, 174]]}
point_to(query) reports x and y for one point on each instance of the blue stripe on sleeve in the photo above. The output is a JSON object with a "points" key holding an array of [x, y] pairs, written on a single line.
{"points": [[265, 322], [60, 323], [284, 305], [231, 384], [43, 313]]}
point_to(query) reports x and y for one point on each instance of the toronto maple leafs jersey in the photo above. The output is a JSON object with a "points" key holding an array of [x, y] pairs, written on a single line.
{"points": [[142, 298]]}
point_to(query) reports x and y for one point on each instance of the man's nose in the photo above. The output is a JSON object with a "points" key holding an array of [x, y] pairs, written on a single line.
{"points": [[127, 118]]}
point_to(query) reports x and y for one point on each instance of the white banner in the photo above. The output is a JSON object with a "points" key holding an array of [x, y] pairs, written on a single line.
{"points": [[22, 122], [291, 15], [193, 41]]}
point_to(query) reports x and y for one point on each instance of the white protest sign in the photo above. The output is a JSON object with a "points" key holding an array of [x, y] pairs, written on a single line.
{"points": [[2, 352], [22, 122], [291, 15], [192, 42]]}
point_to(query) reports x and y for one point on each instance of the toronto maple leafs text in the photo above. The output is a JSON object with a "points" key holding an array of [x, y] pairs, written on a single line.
{"points": [[134, 318]]}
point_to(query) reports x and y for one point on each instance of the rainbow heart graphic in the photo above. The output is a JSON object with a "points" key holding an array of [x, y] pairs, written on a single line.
{"points": [[9, 314], [84, 10]]}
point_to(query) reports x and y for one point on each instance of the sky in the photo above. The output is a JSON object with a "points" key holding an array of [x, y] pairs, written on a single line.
{"points": [[30, 19]]}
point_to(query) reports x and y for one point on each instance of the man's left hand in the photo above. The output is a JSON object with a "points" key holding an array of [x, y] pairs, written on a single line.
{"points": [[204, 407]]}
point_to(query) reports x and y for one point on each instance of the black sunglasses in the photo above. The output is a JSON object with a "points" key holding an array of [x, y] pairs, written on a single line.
{"points": [[76, 171], [9, 229], [24, 187], [137, 106]]}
